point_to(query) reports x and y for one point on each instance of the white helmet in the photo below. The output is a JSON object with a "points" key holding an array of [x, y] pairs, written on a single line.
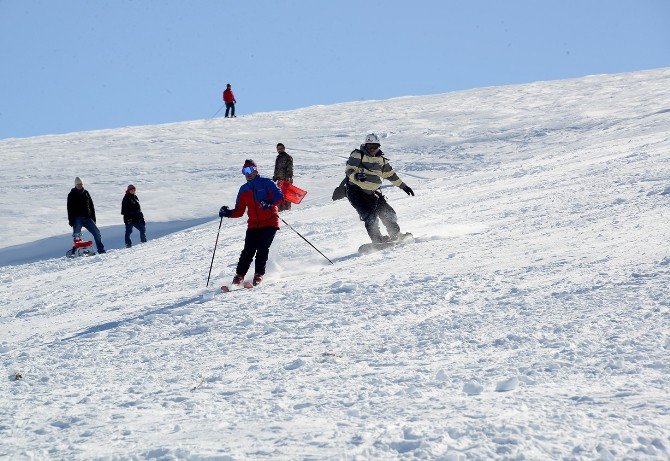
{"points": [[371, 139]]}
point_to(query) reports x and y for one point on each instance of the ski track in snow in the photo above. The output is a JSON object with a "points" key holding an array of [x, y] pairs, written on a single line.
{"points": [[529, 320]]}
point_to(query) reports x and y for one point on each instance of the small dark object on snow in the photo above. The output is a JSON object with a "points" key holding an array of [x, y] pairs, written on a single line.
{"points": [[198, 385]]}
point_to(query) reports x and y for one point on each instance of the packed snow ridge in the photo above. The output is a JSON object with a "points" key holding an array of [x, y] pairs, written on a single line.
{"points": [[529, 319]]}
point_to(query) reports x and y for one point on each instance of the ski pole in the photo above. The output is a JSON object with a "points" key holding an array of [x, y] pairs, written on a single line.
{"points": [[214, 252], [215, 114], [282, 220]]}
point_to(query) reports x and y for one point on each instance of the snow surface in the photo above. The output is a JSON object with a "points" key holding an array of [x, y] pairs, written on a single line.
{"points": [[530, 319]]}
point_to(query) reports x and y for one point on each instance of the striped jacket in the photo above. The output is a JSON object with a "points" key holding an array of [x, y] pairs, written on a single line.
{"points": [[375, 168]]}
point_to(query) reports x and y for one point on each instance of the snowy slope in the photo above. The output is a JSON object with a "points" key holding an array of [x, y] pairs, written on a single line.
{"points": [[530, 319]]}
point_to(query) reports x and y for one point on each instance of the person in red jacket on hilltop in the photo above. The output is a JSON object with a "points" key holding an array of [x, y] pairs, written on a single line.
{"points": [[229, 99], [259, 197]]}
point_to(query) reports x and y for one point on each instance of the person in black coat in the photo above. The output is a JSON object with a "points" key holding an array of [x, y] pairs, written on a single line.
{"points": [[81, 213], [132, 215]]}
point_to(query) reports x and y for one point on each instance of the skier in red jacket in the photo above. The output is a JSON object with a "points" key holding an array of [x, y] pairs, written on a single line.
{"points": [[259, 197], [229, 99]]}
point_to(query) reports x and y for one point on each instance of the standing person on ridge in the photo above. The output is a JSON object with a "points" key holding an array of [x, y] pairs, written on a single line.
{"points": [[132, 215], [229, 99], [81, 213], [365, 170], [259, 197], [283, 172]]}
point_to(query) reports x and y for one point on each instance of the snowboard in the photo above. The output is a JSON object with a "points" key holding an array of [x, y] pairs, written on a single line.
{"points": [[372, 247]]}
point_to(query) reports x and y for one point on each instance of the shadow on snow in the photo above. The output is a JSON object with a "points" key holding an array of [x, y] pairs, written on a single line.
{"points": [[112, 237]]}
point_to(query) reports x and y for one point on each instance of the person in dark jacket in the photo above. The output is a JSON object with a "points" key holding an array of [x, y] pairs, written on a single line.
{"points": [[365, 170], [132, 215], [259, 198], [283, 172], [229, 99], [81, 213]]}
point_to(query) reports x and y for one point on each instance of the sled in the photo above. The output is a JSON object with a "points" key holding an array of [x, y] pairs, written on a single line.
{"points": [[80, 248], [291, 193]]}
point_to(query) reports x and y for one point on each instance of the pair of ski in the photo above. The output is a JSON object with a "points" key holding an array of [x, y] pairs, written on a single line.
{"points": [[240, 286]]}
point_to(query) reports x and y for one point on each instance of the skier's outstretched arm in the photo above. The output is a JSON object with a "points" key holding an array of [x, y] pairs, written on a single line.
{"points": [[240, 206]]}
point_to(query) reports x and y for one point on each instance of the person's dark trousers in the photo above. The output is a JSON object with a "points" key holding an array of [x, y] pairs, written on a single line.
{"points": [[257, 242], [140, 226], [79, 222], [229, 106], [369, 208]]}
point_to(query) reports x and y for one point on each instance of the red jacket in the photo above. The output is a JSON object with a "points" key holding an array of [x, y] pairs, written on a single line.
{"points": [[228, 96], [249, 198]]}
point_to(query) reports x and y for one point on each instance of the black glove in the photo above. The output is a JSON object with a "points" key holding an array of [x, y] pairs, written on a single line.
{"points": [[362, 177], [224, 212], [408, 190], [129, 221], [71, 223], [266, 204]]}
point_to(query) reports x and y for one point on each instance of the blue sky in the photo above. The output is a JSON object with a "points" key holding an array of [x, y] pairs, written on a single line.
{"points": [[83, 65]]}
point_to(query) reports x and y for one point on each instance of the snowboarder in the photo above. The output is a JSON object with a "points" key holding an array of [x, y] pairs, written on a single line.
{"points": [[229, 99], [81, 213], [283, 172], [365, 170], [132, 215], [259, 197]]}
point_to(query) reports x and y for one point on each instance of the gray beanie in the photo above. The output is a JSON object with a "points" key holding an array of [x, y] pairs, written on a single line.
{"points": [[78, 180]]}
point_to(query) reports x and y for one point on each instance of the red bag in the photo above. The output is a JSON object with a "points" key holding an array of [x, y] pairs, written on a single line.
{"points": [[291, 193]]}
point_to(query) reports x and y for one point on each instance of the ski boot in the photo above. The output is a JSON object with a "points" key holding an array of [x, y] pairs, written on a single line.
{"points": [[237, 283]]}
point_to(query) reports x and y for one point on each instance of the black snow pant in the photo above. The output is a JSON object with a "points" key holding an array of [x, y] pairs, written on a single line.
{"points": [[140, 226], [257, 242], [230, 107], [369, 208]]}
